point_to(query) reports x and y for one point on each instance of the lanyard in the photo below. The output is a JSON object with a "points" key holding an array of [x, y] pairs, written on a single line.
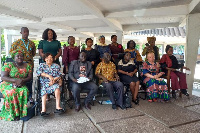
{"points": [[26, 45]]}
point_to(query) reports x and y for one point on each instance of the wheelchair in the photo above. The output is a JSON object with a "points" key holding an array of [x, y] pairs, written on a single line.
{"points": [[63, 95]]}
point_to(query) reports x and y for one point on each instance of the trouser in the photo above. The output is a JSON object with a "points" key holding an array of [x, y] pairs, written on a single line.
{"points": [[77, 87], [178, 83], [117, 86]]}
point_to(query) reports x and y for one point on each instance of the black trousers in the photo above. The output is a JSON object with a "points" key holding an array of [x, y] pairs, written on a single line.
{"points": [[77, 87], [117, 86]]}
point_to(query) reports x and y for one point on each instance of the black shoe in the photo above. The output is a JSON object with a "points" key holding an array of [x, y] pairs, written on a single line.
{"points": [[59, 111], [114, 106], [44, 114], [17, 118], [174, 94], [122, 107], [136, 101], [78, 108], [184, 91]]}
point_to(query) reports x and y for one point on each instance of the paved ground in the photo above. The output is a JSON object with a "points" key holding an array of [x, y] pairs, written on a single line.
{"points": [[181, 116]]}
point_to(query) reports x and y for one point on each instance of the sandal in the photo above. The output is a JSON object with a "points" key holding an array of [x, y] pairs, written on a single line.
{"points": [[59, 111], [150, 101], [44, 114]]}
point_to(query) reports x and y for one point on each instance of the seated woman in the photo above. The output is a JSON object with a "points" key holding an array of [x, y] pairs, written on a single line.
{"points": [[170, 62], [156, 87], [127, 70], [135, 55], [15, 75], [50, 81]]}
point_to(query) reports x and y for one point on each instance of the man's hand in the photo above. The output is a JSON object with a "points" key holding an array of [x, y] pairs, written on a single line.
{"points": [[117, 78], [105, 80], [92, 62], [75, 80]]}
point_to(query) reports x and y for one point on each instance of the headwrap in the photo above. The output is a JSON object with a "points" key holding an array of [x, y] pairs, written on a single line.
{"points": [[15, 52], [101, 44], [151, 38], [102, 36]]}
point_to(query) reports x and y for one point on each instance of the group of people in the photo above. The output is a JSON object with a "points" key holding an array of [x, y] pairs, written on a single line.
{"points": [[102, 64]]}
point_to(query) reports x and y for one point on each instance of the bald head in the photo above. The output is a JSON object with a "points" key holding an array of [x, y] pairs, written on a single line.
{"points": [[24, 32]]}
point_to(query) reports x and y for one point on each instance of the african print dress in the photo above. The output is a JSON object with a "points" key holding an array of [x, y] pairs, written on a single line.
{"points": [[15, 98], [155, 88], [54, 71]]}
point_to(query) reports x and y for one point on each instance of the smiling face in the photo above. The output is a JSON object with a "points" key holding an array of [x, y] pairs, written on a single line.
{"points": [[127, 57], [89, 43], [170, 51], [151, 42], [102, 40], [114, 39], [82, 57], [151, 57], [19, 58], [50, 35], [25, 33], [49, 59], [107, 57], [71, 41]]}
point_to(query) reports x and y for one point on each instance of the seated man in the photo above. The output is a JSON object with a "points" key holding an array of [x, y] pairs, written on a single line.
{"points": [[81, 73], [106, 70]]}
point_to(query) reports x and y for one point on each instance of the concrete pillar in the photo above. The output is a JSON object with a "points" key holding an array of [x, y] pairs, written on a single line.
{"points": [[0, 49], [119, 37], [8, 41], [192, 44]]}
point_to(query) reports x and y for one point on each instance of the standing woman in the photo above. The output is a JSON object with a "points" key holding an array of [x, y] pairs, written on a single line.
{"points": [[102, 47], [135, 55], [49, 44], [115, 48], [70, 53], [92, 55]]}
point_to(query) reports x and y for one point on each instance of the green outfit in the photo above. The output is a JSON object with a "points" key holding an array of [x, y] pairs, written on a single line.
{"points": [[15, 98], [50, 47]]}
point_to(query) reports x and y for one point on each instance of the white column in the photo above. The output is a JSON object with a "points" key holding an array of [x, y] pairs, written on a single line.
{"points": [[119, 37], [8, 41], [0, 50], [192, 44]]}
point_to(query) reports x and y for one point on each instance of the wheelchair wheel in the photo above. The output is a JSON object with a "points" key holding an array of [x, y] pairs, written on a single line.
{"points": [[37, 98]]}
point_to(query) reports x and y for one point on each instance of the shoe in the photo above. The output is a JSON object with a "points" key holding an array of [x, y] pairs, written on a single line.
{"points": [[174, 94], [122, 107], [184, 91], [136, 101], [78, 108], [114, 106], [154, 100], [17, 118], [87, 106], [150, 101], [59, 111], [44, 114]]}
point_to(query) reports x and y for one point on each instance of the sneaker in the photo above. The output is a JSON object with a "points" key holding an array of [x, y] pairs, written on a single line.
{"points": [[114, 106]]}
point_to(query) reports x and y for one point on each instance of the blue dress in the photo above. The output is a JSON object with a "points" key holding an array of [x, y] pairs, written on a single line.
{"points": [[54, 71], [103, 49]]}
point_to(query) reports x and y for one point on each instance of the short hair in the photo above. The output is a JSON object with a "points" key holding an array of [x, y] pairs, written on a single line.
{"points": [[88, 40], [126, 53], [24, 28], [113, 36], [45, 34], [46, 55], [128, 43], [167, 48], [69, 38], [150, 53]]}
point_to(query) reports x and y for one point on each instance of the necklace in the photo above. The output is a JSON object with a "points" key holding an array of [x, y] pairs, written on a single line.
{"points": [[26, 45]]}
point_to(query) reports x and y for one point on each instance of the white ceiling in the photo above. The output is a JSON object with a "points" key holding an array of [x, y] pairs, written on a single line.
{"points": [[91, 18]]}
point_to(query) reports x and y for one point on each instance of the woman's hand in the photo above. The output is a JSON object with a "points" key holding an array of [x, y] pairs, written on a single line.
{"points": [[19, 82], [130, 74], [92, 62], [172, 69]]}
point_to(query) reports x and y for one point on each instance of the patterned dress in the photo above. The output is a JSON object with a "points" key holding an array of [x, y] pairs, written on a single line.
{"points": [[155, 88], [135, 55], [15, 98], [54, 71], [28, 48]]}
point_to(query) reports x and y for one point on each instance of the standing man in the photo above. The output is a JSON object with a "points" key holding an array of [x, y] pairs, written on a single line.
{"points": [[150, 47], [29, 50]]}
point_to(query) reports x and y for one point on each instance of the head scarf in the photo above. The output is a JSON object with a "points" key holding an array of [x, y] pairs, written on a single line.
{"points": [[151, 38], [16, 52]]}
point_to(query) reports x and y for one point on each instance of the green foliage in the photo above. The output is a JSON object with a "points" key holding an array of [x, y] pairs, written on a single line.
{"points": [[36, 43], [83, 46], [2, 39], [3, 59], [124, 46], [137, 46]]}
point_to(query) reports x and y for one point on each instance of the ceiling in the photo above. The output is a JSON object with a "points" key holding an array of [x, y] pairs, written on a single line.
{"points": [[91, 18]]}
